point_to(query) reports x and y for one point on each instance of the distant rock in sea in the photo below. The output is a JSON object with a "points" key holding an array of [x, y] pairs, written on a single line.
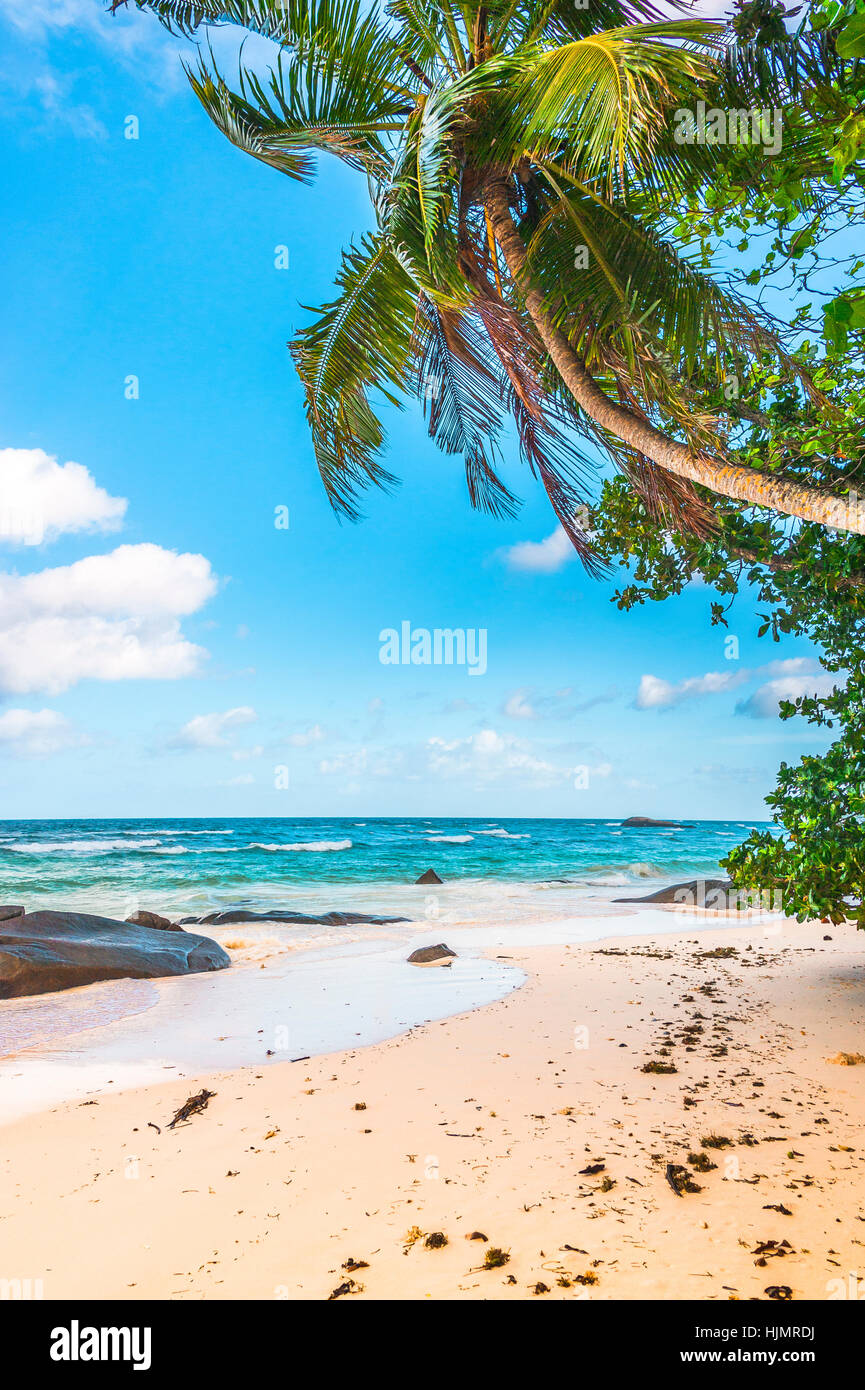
{"points": [[7, 911], [432, 955], [232, 915], [429, 877], [646, 823], [153, 920], [717, 894], [41, 952]]}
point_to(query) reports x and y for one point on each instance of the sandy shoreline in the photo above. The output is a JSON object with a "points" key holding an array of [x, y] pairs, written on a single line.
{"points": [[485, 1122]]}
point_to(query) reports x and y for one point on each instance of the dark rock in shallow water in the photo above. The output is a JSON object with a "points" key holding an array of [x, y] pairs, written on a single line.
{"points": [[301, 919], [646, 823], [46, 951], [153, 920], [429, 877], [715, 893], [432, 955], [7, 911]]}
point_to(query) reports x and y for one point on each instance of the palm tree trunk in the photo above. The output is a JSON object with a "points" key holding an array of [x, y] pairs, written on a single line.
{"points": [[729, 479]]}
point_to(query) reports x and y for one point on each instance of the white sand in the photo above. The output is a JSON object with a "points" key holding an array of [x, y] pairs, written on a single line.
{"points": [[484, 1122]]}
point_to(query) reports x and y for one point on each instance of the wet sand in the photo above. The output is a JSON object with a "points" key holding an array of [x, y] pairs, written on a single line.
{"points": [[529, 1120]]}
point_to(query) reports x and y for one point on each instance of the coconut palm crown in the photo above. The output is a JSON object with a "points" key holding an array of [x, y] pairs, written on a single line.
{"points": [[522, 164]]}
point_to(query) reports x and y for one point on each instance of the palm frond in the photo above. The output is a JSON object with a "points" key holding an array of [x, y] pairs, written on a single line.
{"points": [[596, 105], [462, 400], [608, 277], [358, 344]]}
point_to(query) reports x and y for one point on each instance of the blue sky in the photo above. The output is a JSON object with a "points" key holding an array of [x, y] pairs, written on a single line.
{"points": [[165, 648]]}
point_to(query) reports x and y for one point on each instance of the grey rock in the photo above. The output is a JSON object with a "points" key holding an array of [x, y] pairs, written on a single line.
{"points": [[713, 893], [432, 955], [153, 920], [7, 911], [429, 877], [646, 823], [41, 952]]}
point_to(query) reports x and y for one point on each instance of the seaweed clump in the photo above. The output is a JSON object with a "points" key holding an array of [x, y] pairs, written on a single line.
{"points": [[495, 1258]]}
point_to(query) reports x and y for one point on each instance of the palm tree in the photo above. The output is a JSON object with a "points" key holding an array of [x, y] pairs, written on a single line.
{"points": [[521, 161]]}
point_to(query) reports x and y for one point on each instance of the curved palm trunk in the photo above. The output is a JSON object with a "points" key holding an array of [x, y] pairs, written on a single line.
{"points": [[729, 479]]}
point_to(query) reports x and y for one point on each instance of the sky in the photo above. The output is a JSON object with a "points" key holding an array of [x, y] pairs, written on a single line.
{"points": [[185, 627]]}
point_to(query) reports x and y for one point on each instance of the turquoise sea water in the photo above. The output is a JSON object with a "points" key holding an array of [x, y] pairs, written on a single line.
{"points": [[192, 866]]}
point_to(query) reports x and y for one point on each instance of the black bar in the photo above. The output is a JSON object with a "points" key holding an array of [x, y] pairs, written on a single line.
{"points": [[277, 1337]]}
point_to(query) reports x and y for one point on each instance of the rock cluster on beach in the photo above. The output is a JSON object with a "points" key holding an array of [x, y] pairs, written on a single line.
{"points": [[233, 915], [41, 952]]}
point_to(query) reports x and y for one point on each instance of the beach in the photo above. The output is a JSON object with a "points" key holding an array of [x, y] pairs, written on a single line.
{"points": [[528, 1119]]}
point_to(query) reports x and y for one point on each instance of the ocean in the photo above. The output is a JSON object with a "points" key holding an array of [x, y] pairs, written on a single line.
{"points": [[191, 867]]}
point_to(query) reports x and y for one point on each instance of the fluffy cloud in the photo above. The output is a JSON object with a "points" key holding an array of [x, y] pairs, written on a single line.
{"points": [[489, 756], [210, 730], [43, 499], [37, 733], [763, 704], [108, 617], [541, 557], [656, 693]]}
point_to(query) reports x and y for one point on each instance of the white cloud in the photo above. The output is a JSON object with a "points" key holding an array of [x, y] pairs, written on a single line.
{"points": [[382, 763], [516, 706], [41, 498], [210, 730], [541, 557], [141, 581], [791, 666], [488, 756], [54, 93], [37, 733], [655, 693], [243, 779], [314, 734], [107, 617], [129, 34], [39, 16], [763, 704]]}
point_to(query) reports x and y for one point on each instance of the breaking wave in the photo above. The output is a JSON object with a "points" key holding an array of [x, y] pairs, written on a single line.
{"points": [[307, 847]]}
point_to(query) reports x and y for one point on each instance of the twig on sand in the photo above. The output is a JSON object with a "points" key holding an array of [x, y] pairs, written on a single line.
{"points": [[193, 1106]]}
